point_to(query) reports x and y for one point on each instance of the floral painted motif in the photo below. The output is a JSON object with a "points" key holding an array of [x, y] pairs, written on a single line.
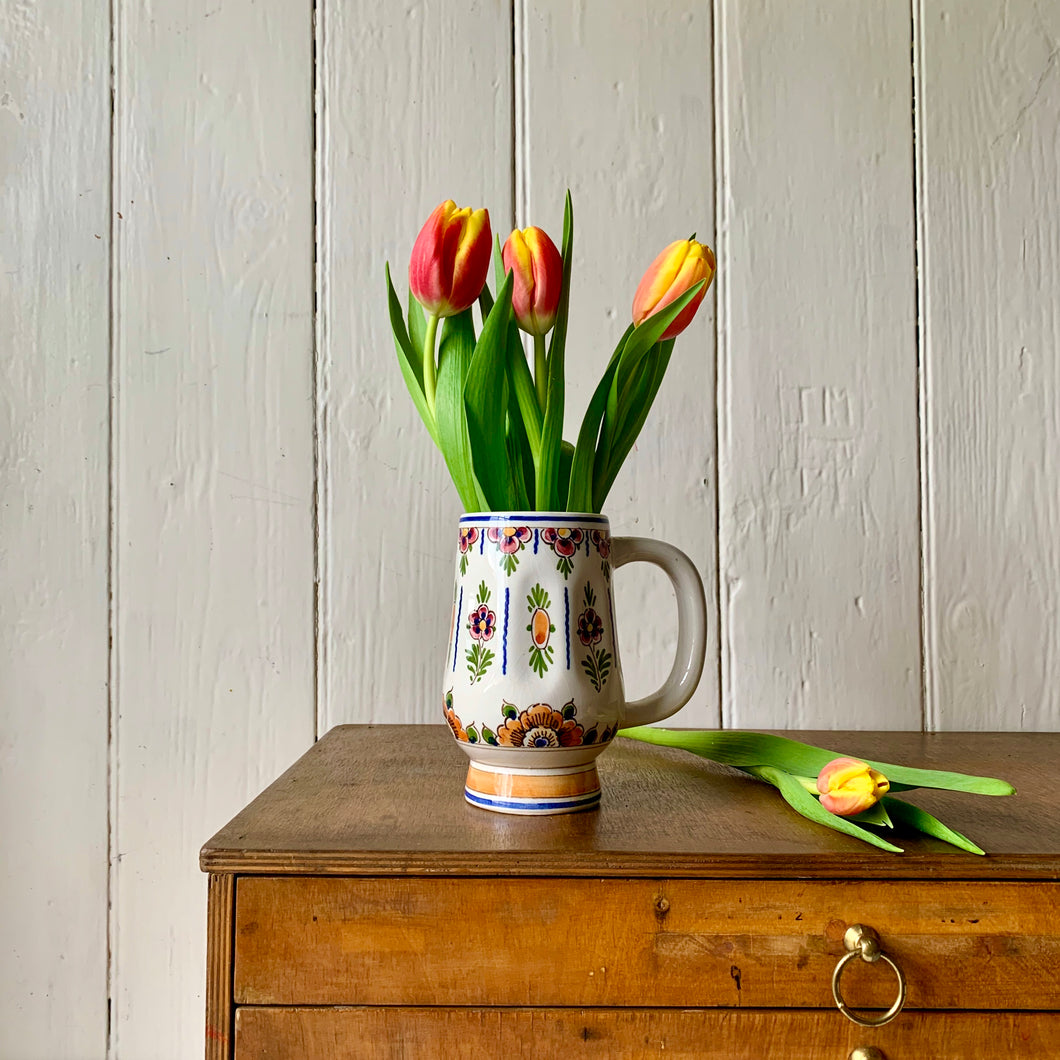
{"points": [[602, 542], [592, 736], [468, 537], [540, 630], [590, 627], [597, 661], [481, 624], [564, 541], [510, 540], [539, 726], [453, 721]]}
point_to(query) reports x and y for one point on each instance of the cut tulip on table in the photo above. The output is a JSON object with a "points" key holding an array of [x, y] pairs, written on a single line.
{"points": [[842, 793]]}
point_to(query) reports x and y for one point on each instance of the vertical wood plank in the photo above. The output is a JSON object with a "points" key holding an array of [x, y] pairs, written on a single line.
{"points": [[417, 109], [615, 102], [220, 920], [991, 200], [214, 467], [54, 266], [818, 372]]}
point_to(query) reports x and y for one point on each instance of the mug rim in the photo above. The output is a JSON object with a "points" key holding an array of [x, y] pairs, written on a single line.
{"points": [[533, 516]]}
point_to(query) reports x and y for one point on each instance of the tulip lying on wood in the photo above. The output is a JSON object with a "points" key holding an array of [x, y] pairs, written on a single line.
{"points": [[802, 773]]}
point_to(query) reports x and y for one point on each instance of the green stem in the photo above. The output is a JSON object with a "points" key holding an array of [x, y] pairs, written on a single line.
{"points": [[430, 369], [540, 372]]}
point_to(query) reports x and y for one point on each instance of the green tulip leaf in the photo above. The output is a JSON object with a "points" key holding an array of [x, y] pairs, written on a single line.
{"points": [[520, 457], [520, 453], [522, 383], [876, 814], [486, 404], [914, 817], [644, 336], [498, 262], [580, 492], [417, 330], [546, 484], [800, 800], [632, 414], [409, 360], [566, 461], [755, 748], [455, 353], [648, 332]]}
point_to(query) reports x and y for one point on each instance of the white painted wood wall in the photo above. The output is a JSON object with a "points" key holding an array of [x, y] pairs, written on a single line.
{"points": [[223, 529]]}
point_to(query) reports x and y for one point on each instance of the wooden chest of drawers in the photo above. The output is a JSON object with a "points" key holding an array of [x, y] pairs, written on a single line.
{"points": [[359, 908]]}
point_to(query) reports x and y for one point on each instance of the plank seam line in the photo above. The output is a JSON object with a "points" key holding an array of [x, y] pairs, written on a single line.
{"points": [[722, 317], [513, 116], [113, 363], [320, 373], [925, 531], [521, 105]]}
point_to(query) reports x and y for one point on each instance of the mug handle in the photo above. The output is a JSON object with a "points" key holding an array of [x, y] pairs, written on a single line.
{"points": [[687, 669]]}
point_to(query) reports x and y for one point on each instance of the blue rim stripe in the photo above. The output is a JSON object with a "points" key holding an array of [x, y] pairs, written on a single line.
{"points": [[528, 519], [532, 804]]}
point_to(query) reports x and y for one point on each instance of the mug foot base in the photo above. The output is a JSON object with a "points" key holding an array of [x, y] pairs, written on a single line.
{"points": [[510, 789]]}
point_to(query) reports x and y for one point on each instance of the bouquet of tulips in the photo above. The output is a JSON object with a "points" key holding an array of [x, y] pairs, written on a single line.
{"points": [[498, 423]]}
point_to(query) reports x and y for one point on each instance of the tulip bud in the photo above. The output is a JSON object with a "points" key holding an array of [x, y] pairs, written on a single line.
{"points": [[537, 274], [450, 259], [850, 787], [680, 266]]}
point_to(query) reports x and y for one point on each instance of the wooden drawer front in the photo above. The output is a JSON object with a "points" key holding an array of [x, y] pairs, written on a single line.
{"points": [[609, 1034], [644, 943]]}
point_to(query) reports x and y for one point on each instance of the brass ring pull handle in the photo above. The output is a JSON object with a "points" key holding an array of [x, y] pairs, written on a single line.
{"points": [[863, 942]]}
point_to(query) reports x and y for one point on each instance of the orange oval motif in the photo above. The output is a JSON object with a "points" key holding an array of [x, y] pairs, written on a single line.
{"points": [[539, 625]]}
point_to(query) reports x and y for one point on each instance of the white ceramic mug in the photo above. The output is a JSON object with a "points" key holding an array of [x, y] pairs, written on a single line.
{"points": [[533, 684]]}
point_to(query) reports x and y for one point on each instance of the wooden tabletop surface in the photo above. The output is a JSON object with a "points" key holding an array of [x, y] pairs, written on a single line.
{"points": [[388, 799]]}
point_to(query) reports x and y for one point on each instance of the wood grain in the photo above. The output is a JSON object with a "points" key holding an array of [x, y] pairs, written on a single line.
{"points": [[55, 226], [213, 466], [633, 83], [668, 943], [991, 198], [389, 799], [818, 368], [401, 1034], [220, 923], [416, 109]]}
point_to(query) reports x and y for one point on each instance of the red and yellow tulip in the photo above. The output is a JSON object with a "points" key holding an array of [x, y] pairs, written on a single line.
{"points": [[450, 259], [679, 267], [848, 786], [537, 270], [537, 282]]}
